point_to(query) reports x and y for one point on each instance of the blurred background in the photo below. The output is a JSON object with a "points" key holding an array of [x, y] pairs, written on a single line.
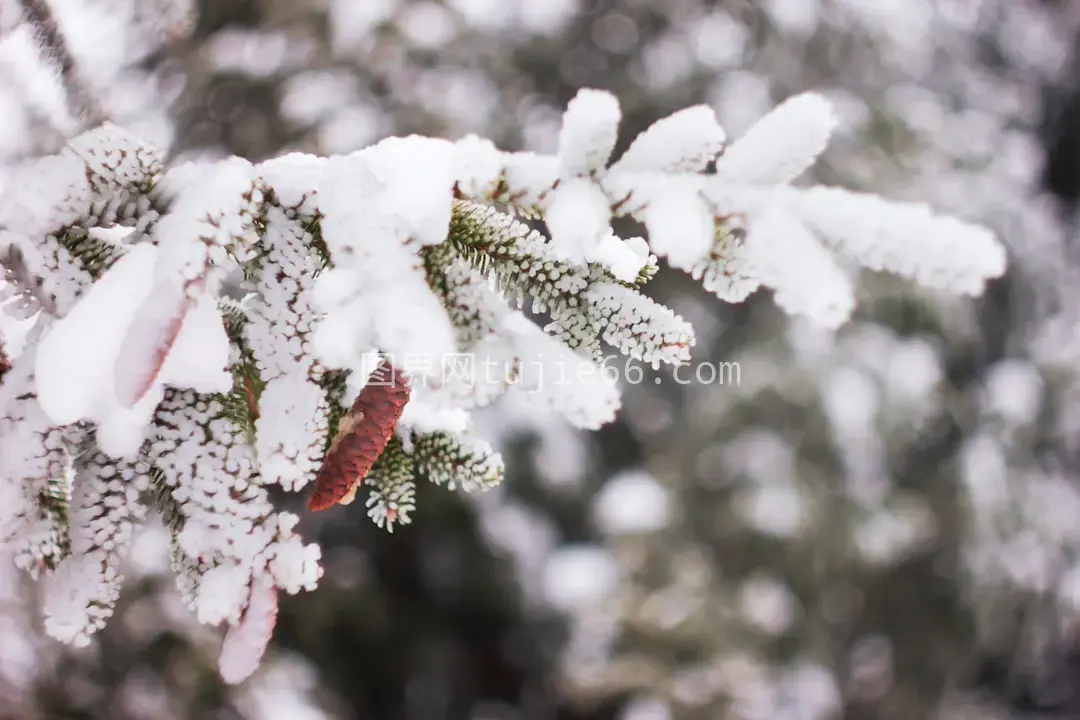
{"points": [[882, 522]]}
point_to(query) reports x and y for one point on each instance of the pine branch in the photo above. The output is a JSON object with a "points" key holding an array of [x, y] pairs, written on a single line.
{"points": [[96, 254], [726, 271], [451, 462], [586, 302], [81, 98], [474, 309], [317, 242], [242, 404], [522, 261], [393, 486], [54, 502], [159, 495], [335, 384], [349, 258]]}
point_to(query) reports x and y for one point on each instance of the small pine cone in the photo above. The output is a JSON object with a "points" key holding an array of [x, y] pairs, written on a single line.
{"points": [[361, 437]]}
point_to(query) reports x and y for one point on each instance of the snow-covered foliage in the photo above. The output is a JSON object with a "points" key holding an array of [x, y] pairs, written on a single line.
{"points": [[202, 331], [57, 76]]}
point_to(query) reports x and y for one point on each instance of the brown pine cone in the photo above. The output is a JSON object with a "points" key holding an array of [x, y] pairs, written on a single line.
{"points": [[361, 437]]}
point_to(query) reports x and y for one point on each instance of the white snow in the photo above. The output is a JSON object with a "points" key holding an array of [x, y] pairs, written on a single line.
{"points": [[420, 200], [805, 277], [589, 132], [782, 145], [291, 410], [77, 359], [578, 219], [199, 357], [684, 141], [680, 224], [624, 258]]}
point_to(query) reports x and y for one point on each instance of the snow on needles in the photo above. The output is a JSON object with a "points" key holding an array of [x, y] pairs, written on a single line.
{"points": [[149, 383]]}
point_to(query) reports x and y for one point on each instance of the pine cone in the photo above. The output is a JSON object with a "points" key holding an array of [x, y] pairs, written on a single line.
{"points": [[361, 437]]}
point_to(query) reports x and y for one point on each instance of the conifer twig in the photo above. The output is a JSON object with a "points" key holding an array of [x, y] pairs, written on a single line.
{"points": [[80, 97]]}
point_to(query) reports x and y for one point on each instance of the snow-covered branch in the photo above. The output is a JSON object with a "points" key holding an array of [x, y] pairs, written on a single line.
{"points": [[80, 97], [380, 301]]}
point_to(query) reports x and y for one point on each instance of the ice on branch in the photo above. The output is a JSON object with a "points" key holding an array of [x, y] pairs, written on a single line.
{"points": [[204, 331]]}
